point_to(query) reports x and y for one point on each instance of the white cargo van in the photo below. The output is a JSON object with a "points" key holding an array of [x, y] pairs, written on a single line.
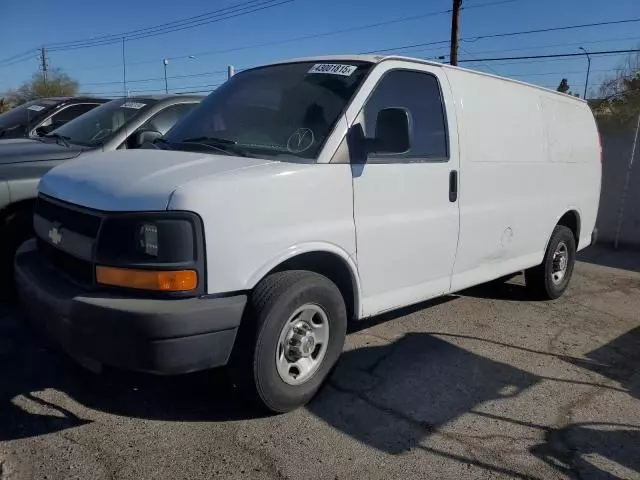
{"points": [[300, 196]]}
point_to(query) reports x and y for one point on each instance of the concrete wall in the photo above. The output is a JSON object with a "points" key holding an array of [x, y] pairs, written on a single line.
{"points": [[617, 152]]}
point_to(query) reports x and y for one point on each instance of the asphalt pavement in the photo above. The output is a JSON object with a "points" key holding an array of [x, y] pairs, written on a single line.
{"points": [[483, 384]]}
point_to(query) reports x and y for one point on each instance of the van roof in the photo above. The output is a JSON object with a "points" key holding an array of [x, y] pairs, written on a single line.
{"points": [[381, 58]]}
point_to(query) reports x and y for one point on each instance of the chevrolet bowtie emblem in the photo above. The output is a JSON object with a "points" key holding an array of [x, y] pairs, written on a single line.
{"points": [[55, 235]]}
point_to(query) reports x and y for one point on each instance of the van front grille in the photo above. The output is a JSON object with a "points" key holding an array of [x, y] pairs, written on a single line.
{"points": [[72, 219], [77, 270]]}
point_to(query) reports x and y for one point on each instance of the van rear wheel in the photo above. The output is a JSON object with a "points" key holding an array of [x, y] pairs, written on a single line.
{"points": [[290, 339], [551, 278]]}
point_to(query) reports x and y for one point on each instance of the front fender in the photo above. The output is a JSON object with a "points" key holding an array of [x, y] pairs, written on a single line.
{"points": [[309, 247]]}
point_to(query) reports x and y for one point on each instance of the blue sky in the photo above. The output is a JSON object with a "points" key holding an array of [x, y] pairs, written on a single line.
{"points": [[99, 69]]}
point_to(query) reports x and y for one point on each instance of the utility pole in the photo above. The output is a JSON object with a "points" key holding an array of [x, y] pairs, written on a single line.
{"points": [[43, 59], [455, 26]]}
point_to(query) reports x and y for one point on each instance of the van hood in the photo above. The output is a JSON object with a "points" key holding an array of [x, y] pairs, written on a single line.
{"points": [[136, 180], [29, 150]]}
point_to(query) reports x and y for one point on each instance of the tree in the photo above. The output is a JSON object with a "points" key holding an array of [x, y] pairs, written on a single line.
{"points": [[57, 84], [4, 105], [564, 86], [618, 106]]}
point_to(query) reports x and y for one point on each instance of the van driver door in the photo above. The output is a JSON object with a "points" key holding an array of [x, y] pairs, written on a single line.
{"points": [[406, 204]]}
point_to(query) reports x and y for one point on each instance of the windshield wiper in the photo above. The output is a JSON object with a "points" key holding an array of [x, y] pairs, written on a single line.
{"points": [[221, 141], [223, 145], [64, 139], [163, 142]]}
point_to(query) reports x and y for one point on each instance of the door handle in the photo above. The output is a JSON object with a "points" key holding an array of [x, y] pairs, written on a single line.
{"points": [[453, 185]]}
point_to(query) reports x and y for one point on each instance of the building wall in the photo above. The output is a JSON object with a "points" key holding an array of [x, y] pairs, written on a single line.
{"points": [[617, 148]]}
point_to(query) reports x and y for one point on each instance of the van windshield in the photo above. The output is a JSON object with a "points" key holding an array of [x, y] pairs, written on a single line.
{"points": [[99, 125], [284, 111]]}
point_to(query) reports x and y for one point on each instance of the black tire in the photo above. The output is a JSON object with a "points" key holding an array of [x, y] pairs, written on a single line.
{"points": [[271, 304], [540, 280], [16, 228]]}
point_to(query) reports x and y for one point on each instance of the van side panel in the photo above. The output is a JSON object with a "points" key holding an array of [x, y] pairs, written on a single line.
{"points": [[511, 193], [572, 138]]}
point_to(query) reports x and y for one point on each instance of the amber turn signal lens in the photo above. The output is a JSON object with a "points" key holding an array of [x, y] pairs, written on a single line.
{"points": [[160, 280]]}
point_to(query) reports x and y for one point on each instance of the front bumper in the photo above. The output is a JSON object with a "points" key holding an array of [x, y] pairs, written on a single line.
{"points": [[152, 335]]}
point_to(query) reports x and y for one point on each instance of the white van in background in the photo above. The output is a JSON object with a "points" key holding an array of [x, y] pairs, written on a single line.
{"points": [[299, 196]]}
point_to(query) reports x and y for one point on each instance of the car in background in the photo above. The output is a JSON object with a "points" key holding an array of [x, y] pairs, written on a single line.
{"points": [[43, 115], [120, 124]]}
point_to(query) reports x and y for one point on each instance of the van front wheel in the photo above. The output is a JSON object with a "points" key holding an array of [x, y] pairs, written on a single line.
{"points": [[551, 278], [295, 331]]}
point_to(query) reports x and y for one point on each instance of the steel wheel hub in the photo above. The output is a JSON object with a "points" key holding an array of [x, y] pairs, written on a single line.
{"points": [[560, 263], [302, 344]]}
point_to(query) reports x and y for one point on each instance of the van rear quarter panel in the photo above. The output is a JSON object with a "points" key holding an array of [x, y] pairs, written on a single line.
{"points": [[514, 183]]}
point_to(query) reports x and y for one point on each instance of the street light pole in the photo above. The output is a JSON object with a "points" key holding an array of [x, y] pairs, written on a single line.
{"points": [[166, 86], [586, 82]]}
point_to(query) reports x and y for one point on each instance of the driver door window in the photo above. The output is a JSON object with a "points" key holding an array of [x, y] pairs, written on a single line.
{"points": [[420, 94]]}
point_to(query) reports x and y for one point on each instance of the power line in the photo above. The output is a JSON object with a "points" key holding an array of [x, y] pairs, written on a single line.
{"points": [[316, 35], [535, 74], [555, 55], [466, 51], [509, 34], [552, 29], [196, 21], [174, 23], [153, 79], [506, 60], [217, 16], [19, 58], [537, 47]]}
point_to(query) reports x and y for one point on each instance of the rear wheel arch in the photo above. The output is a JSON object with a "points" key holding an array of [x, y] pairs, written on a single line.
{"points": [[571, 220]]}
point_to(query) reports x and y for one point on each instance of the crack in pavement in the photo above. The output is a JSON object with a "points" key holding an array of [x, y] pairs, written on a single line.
{"points": [[477, 453]]}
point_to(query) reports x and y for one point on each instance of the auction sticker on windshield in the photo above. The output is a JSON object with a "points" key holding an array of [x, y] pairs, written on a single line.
{"points": [[135, 105], [333, 69], [35, 108]]}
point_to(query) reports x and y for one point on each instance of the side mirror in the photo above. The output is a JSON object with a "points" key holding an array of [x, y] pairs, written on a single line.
{"points": [[144, 136], [44, 130], [392, 132]]}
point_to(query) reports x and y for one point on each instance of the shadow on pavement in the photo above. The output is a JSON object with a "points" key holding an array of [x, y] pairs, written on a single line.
{"points": [[506, 291], [27, 369], [390, 397], [593, 450], [618, 360], [605, 255], [407, 390]]}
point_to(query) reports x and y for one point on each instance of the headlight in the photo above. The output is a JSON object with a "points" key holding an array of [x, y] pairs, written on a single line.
{"points": [[148, 238], [162, 251]]}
